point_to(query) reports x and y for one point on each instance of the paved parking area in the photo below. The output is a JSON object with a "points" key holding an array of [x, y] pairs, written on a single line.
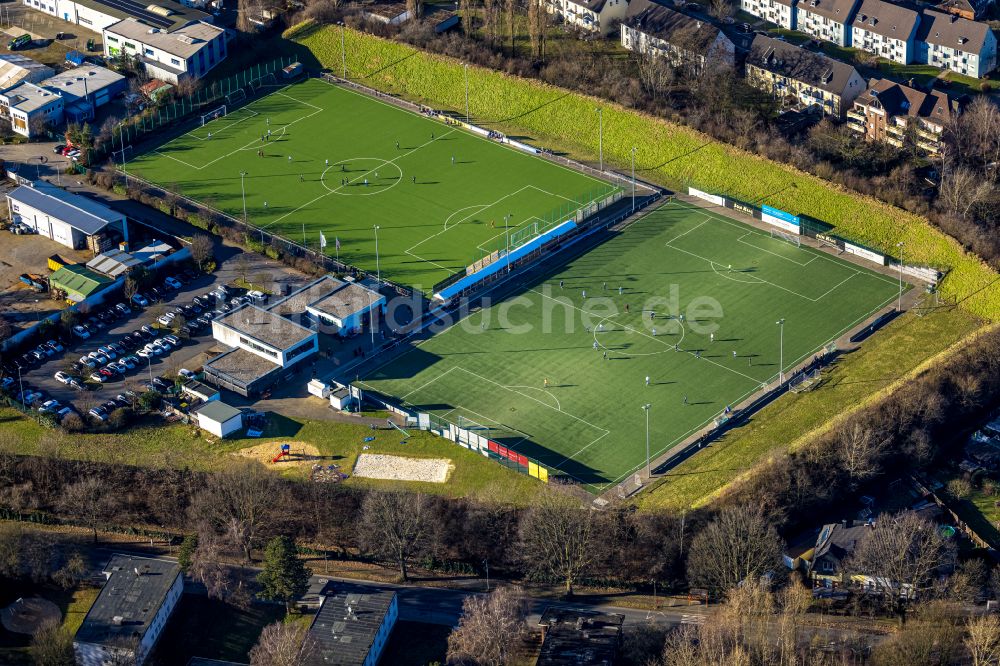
{"points": [[191, 354], [17, 19]]}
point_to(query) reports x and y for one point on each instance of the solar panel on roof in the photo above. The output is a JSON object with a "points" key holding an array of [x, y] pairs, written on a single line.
{"points": [[137, 10]]}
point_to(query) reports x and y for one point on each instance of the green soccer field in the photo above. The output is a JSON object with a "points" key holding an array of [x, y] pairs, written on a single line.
{"points": [[732, 284], [441, 196]]}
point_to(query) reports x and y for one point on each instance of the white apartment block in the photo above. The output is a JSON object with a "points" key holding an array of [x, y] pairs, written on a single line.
{"points": [[779, 12], [186, 52], [950, 42], [829, 20], [653, 29], [600, 16], [887, 30]]}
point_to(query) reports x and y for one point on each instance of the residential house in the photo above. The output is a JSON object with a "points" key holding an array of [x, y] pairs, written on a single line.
{"points": [[129, 614], [829, 20], [31, 109], [572, 636], [653, 29], [72, 219], [352, 628], [972, 10], [801, 78], [951, 42], [779, 12], [886, 29], [600, 16], [187, 52], [891, 112]]}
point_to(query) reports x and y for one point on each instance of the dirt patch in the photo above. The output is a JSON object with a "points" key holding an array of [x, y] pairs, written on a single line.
{"points": [[26, 616], [300, 454], [400, 468]]}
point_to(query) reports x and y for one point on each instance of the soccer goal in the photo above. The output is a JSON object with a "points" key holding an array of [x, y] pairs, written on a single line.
{"points": [[788, 238], [805, 381], [236, 96], [266, 80], [213, 114]]}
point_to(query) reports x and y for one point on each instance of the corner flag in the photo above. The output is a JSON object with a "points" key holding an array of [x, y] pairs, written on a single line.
{"points": [[336, 241]]}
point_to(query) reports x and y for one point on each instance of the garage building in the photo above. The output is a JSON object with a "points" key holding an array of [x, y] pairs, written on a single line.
{"points": [[219, 418], [71, 219]]}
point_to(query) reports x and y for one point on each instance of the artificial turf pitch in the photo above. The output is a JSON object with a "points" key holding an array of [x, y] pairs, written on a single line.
{"points": [[441, 196], [490, 369]]}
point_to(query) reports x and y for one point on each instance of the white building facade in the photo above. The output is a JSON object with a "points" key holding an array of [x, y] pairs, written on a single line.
{"points": [[779, 12], [188, 52], [887, 30], [600, 16], [950, 42], [829, 20]]}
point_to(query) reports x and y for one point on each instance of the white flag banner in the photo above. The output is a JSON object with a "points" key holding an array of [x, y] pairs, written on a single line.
{"points": [[322, 240]]}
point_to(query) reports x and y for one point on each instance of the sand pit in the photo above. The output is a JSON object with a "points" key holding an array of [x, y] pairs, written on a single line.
{"points": [[400, 468], [301, 454], [26, 616]]}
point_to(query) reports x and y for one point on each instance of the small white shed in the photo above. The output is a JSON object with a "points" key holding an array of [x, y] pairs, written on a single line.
{"points": [[219, 418]]}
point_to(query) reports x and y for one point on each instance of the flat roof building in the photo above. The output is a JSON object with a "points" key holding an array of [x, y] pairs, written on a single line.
{"points": [[15, 69], [352, 629], [184, 52], [346, 306], [85, 89], [219, 418], [97, 15], [130, 612], [31, 109], [77, 282], [571, 637]]}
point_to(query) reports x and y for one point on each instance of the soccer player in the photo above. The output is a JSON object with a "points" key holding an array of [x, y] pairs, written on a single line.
{"points": [[685, 400], [605, 287], [265, 204], [397, 145], [626, 308], [652, 315], [647, 380], [453, 159], [620, 289], [366, 182], [595, 345], [209, 135], [301, 179], [711, 337], [289, 158], [413, 179], [605, 354], [545, 382], [697, 353], [328, 162], [561, 283], [654, 331], [584, 292], [734, 353]]}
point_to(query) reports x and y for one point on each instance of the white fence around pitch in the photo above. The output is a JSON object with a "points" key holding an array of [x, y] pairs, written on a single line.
{"points": [[923, 273]]}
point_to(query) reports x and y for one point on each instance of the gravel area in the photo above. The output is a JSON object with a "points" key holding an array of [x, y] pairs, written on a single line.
{"points": [[399, 468]]}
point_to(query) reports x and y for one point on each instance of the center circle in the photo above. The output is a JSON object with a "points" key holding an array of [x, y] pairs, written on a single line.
{"points": [[667, 346], [356, 171]]}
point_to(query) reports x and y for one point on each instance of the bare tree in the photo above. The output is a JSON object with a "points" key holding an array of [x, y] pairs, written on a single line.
{"points": [[860, 448], [490, 16], [89, 500], [52, 645], [738, 545], [489, 629], [282, 644], [202, 249], [557, 536], [415, 8], [721, 9], [395, 525], [900, 554], [534, 26], [238, 503], [962, 189], [982, 640], [242, 265], [129, 289], [656, 75]]}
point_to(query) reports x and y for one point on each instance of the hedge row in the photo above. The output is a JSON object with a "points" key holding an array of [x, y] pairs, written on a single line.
{"points": [[672, 155]]}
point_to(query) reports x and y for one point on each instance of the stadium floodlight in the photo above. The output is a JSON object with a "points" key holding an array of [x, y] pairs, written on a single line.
{"points": [[899, 301], [343, 52], [243, 191], [121, 140], [633, 178], [600, 136], [506, 229], [466, 93], [378, 270], [645, 408], [781, 351]]}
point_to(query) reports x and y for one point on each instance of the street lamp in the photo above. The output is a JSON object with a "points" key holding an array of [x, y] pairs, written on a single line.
{"points": [[121, 140], [378, 270], [633, 178], [645, 408], [243, 191], [466, 93], [899, 301], [343, 52], [781, 351], [506, 229], [600, 135]]}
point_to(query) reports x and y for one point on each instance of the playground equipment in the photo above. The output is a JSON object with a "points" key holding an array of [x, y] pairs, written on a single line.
{"points": [[286, 450]]}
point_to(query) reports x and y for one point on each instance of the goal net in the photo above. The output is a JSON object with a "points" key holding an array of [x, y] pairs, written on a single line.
{"points": [[213, 114], [266, 80], [805, 381], [788, 238], [236, 96]]}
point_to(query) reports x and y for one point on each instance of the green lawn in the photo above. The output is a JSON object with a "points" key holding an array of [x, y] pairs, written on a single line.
{"points": [[730, 282], [881, 361], [179, 446], [340, 163]]}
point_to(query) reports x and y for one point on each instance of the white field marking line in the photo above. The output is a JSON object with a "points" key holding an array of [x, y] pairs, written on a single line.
{"points": [[477, 206], [729, 276], [775, 254], [500, 426], [225, 127], [470, 134], [690, 353], [746, 228], [572, 416], [460, 221], [524, 224], [255, 141], [176, 159], [426, 384], [668, 349], [535, 388], [678, 237], [337, 189]]}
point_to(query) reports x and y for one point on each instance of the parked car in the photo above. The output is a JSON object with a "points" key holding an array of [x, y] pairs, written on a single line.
{"points": [[186, 374], [7, 383], [99, 413], [64, 412], [59, 148], [49, 406], [81, 332], [161, 384], [99, 376], [172, 339], [143, 353], [124, 309], [172, 282], [107, 351], [55, 346], [257, 296], [163, 344], [140, 300], [46, 351], [116, 348], [62, 377], [77, 384], [110, 406], [146, 328], [166, 318], [128, 362], [153, 348]]}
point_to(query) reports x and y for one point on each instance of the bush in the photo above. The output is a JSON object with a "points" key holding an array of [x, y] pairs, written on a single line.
{"points": [[73, 423]]}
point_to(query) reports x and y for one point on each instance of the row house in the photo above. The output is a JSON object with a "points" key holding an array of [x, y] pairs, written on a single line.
{"points": [[829, 20], [598, 16], [779, 12], [887, 30], [801, 78], [951, 42], [893, 113], [650, 28]]}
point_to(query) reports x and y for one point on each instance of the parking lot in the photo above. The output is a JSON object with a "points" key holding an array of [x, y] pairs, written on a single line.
{"points": [[190, 354]]}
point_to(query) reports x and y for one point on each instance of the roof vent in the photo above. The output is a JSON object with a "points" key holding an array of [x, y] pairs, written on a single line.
{"points": [[117, 620]]}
